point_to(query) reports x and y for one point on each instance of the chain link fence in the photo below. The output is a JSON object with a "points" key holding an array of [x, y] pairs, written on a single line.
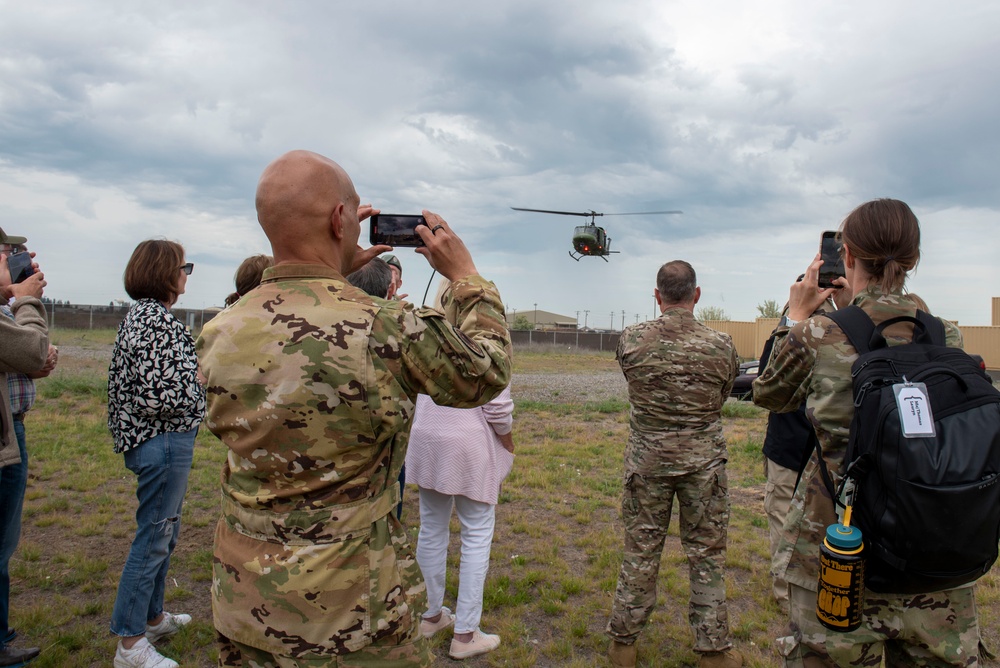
{"points": [[89, 316]]}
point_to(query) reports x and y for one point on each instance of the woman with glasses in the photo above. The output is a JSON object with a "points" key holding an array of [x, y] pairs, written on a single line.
{"points": [[155, 404]]}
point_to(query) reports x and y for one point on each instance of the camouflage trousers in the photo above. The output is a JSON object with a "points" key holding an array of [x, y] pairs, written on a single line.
{"points": [[703, 497], [939, 629], [778, 493], [413, 653]]}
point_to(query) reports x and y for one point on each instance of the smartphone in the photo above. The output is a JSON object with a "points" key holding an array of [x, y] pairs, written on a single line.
{"points": [[20, 266], [833, 263], [396, 230]]}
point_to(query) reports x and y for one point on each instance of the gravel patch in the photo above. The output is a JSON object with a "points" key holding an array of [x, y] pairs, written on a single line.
{"points": [[563, 388], [102, 353], [569, 387]]}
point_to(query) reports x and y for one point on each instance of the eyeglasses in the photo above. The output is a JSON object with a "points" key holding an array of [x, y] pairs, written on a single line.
{"points": [[188, 268]]}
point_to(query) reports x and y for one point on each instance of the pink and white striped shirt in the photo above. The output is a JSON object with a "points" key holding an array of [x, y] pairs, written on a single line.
{"points": [[456, 450]]}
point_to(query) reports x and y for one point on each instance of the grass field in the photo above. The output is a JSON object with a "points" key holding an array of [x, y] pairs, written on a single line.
{"points": [[555, 555]]}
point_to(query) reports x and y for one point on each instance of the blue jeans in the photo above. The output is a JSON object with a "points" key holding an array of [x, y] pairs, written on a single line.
{"points": [[162, 465], [13, 480]]}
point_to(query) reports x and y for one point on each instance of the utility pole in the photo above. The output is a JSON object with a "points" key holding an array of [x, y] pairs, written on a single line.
{"points": [[536, 315], [585, 314], [623, 320], [637, 318], [612, 321]]}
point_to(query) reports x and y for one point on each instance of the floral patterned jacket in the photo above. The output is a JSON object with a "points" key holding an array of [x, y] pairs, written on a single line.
{"points": [[153, 383]]}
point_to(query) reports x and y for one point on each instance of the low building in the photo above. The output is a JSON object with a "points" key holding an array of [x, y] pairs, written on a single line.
{"points": [[542, 320]]}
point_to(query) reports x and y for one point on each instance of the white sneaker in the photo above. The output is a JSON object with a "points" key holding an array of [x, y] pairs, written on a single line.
{"points": [[168, 626], [428, 629], [481, 643], [142, 655]]}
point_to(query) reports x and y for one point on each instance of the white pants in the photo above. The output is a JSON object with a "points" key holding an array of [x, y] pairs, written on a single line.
{"points": [[477, 520]]}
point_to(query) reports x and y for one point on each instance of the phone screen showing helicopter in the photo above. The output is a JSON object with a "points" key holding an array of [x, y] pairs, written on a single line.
{"points": [[395, 230]]}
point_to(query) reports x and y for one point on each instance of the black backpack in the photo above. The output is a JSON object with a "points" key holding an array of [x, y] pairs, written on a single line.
{"points": [[927, 506]]}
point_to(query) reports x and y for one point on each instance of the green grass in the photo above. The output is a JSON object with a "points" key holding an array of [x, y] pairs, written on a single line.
{"points": [[76, 385], [554, 563]]}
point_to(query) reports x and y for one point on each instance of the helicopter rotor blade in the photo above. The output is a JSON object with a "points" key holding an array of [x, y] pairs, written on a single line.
{"points": [[591, 214], [638, 213], [561, 213]]}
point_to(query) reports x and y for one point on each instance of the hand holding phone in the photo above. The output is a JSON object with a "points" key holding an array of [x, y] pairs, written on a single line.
{"points": [[444, 250], [833, 263], [32, 286], [396, 230], [20, 267]]}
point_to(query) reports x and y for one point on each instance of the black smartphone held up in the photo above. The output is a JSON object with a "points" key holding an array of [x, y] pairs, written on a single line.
{"points": [[20, 266], [396, 230], [833, 263]]}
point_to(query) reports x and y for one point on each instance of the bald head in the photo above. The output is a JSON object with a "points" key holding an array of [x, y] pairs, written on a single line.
{"points": [[307, 207]]}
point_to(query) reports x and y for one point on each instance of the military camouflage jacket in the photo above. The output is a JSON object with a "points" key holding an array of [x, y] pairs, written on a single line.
{"points": [[311, 385], [811, 363], [679, 373]]}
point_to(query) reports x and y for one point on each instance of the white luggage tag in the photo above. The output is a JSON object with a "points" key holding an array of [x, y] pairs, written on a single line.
{"points": [[915, 417]]}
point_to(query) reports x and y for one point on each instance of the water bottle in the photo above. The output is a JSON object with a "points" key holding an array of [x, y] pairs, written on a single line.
{"points": [[841, 595]]}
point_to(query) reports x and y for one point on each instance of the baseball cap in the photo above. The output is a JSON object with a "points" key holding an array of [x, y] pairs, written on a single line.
{"points": [[392, 260], [12, 240]]}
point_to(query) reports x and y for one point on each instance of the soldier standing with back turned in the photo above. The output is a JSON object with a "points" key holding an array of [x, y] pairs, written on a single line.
{"points": [[679, 373]]}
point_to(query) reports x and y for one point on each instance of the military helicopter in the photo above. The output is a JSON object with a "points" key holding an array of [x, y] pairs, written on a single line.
{"points": [[590, 239]]}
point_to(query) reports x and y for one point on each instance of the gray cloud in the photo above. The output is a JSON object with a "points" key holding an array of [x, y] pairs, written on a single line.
{"points": [[156, 119]]}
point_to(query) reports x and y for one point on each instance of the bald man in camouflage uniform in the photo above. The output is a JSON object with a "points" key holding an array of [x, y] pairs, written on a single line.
{"points": [[311, 384], [679, 374]]}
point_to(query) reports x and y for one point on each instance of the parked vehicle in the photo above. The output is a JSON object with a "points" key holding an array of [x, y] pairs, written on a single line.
{"points": [[981, 362], [743, 385]]}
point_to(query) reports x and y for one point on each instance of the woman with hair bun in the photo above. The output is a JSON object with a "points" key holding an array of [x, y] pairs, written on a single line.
{"points": [[811, 363], [248, 276]]}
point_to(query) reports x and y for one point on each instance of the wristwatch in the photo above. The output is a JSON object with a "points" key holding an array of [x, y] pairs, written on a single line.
{"points": [[787, 322]]}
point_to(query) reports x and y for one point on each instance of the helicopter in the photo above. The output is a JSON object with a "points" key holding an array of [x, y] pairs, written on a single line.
{"points": [[590, 239]]}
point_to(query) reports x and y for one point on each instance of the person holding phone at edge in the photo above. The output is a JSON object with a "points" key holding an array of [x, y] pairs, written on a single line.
{"points": [[811, 363], [24, 351]]}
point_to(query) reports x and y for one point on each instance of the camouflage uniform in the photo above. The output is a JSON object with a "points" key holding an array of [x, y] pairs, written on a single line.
{"points": [[679, 374], [311, 385], [812, 363]]}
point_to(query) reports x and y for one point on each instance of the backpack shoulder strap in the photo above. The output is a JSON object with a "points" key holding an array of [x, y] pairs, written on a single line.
{"points": [[765, 354], [857, 326], [933, 327]]}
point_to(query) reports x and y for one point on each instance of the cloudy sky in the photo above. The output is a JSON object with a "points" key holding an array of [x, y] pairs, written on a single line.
{"points": [[765, 122]]}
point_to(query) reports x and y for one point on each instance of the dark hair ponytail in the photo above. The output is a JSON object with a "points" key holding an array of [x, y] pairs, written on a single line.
{"points": [[884, 236]]}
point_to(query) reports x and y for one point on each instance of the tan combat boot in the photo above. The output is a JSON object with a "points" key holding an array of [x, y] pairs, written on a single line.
{"points": [[622, 655], [729, 658]]}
